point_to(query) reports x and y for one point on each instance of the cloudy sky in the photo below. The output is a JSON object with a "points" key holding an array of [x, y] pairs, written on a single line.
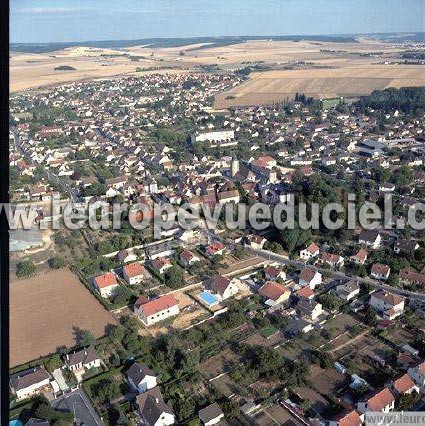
{"points": [[81, 20]]}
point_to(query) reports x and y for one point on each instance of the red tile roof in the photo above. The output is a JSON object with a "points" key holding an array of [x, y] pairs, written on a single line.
{"points": [[350, 418], [313, 248], [403, 384], [307, 274], [380, 400], [105, 280], [361, 255], [215, 247], [379, 268], [154, 306], [134, 269], [272, 290], [389, 298], [272, 272], [306, 292]]}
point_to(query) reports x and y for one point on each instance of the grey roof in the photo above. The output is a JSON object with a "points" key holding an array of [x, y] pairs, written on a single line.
{"points": [[137, 372], [296, 325], [28, 378], [348, 287], [84, 356], [306, 305], [369, 235], [152, 406], [211, 412]]}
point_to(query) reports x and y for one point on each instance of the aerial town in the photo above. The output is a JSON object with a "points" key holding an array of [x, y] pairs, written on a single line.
{"points": [[226, 326]]}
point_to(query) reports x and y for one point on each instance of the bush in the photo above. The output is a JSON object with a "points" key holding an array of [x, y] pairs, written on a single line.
{"points": [[26, 268], [57, 262]]}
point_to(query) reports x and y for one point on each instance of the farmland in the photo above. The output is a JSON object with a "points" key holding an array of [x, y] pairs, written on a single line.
{"points": [[347, 81], [59, 308], [326, 69]]}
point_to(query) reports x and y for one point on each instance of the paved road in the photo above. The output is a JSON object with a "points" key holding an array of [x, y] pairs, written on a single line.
{"points": [[336, 274]]}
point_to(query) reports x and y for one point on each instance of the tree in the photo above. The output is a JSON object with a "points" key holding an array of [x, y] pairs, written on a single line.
{"points": [[330, 301], [323, 359], [41, 409], [86, 338], [57, 262], [394, 280], [25, 268], [121, 295], [53, 362], [370, 316], [174, 277]]}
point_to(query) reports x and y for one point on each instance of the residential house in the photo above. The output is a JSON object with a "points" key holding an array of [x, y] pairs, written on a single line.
{"points": [[134, 273], [310, 277], [274, 293], [309, 252], [380, 271], [297, 326], [153, 409], [106, 284], [389, 305], [402, 385], [161, 264], [228, 197], [405, 246], [141, 378], [211, 415], [83, 359], [309, 309], [333, 260], [256, 241], [116, 182], [305, 292], [273, 274], [188, 258], [215, 249], [382, 400], [348, 290], [155, 310], [30, 382], [224, 287], [370, 238], [346, 418], [417, 374], [125, 256], [411, 277], [360, 257]]}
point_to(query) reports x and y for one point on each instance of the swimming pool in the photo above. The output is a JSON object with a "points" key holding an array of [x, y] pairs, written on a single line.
{"points": [[208, 298]]}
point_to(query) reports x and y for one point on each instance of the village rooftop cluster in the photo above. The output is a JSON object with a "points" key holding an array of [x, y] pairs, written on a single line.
{"points": [[222, 326]]}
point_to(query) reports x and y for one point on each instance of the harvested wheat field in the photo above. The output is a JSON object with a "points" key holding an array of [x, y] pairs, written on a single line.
{"points": [[50, 310], [35, 70], [273, 86]]}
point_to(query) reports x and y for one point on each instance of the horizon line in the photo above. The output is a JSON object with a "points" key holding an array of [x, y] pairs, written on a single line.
{"points": [[215, 37]]}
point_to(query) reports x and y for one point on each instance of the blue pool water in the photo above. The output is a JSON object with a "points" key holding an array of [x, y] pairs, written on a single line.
{"points": [[208, 298]]}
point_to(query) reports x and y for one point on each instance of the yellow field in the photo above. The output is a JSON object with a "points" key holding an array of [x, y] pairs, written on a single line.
{"points": [[273, 86], [348, 72]]}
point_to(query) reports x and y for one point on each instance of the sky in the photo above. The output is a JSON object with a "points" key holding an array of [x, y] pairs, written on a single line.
{"points": [[37, 21]]}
